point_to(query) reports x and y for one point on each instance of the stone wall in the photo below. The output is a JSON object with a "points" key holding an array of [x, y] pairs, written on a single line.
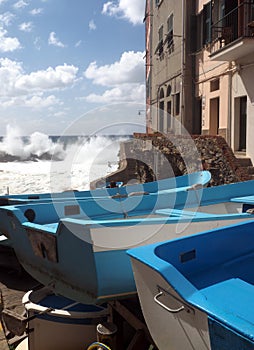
{"points": [[151, 157]]}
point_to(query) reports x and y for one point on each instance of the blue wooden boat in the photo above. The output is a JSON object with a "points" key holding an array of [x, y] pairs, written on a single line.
{"points": [[83, 255], [110, 202], [197, 292], [200, 178], [173, 184]]}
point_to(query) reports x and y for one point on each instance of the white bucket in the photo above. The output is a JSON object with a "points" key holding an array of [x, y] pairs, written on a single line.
{"points": [[60, 323]]}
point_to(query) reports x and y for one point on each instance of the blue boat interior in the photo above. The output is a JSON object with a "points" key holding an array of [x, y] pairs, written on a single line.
{"points": [[214, 257], [175, 217], [212, 271]]}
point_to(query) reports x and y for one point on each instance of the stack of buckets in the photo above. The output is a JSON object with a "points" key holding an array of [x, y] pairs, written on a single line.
{"points": [[58, 323]]}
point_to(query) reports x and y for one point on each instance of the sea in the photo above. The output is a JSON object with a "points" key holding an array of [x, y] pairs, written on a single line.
{"points": [[40, 163]]}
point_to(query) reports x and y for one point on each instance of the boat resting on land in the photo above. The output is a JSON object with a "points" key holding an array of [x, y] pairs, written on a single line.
{"points": [[197, 292], [83, 257], [168, 185], [200, 178]]}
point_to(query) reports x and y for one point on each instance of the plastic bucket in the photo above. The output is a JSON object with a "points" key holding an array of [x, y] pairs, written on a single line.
{"points": [[56, 322]]}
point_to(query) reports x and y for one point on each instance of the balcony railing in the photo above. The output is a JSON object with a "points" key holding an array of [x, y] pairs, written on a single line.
{"points": [[238, 23]]}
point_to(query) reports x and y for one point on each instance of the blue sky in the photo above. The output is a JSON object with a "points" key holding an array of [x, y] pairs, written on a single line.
{"points": [[63, 61]]}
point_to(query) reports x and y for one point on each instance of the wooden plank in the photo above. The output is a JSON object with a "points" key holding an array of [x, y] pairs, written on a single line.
{"points": [[139, 341]]}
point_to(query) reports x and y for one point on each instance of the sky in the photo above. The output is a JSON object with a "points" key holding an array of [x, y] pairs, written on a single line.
{"points": [[65, 64]]}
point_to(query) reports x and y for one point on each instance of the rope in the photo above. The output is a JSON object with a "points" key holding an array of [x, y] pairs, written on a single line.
{"points": [[98, 345]]}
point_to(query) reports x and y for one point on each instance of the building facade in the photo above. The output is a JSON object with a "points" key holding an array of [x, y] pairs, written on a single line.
{"points": [[201, 68], [170, 65]]}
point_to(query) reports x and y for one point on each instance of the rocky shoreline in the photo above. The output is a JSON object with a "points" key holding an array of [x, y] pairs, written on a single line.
{"points": [[149, 157]]}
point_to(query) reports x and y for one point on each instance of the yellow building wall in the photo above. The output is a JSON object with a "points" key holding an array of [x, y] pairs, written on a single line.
{"points": [[215, 104]]}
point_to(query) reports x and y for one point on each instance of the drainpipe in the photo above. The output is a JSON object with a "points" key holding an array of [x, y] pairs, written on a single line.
{"points": [[183, 63]]}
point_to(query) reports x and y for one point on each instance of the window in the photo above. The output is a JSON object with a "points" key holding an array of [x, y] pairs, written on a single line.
{"points": [[169, 37], [158, 2], [169, 111], [177, 103], [161, 93], [207, 21], [161, 110], [169, 89], [160, 32], [159, 48], [214, 85], [161, 116]]}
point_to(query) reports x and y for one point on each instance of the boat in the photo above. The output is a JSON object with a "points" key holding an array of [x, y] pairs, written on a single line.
{"points": [[196, 292], [199, 178], [101, 202], [83, 256], [106, 196]]}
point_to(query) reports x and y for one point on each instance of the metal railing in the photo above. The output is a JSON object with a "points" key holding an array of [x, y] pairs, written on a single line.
{"points": [[236, 24]]}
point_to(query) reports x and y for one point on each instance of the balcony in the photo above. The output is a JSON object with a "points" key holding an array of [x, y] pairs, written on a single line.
{"points": [[232, 37]]}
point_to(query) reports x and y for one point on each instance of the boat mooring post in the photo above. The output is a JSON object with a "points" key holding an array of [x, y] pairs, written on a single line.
{"points": [[106, 334]]}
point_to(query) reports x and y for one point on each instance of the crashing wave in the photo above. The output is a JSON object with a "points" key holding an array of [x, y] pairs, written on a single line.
{"points": [[6, 157], [37, 146]]}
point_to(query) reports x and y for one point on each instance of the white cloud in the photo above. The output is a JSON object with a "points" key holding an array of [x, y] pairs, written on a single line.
{"points": [[126, 79], [129, 69], [26, 26], [36, 11], [131, 10], [20, 4], [124, 93], [53, 40], [9, 72], [2, 1], [92, 25], [31, 91], [14, 82], [51, 78], [8, 44], [38, 102], [6, 18], [31, 102]]}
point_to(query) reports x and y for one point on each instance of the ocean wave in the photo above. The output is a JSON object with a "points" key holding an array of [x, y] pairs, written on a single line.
{"points": [[6, 157], [38, 146]]}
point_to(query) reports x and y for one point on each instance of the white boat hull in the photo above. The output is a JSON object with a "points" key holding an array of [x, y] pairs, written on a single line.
{"points": [[186, 329], [102, 248], [196, 292]]}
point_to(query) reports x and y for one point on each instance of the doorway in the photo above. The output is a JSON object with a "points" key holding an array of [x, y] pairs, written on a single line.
{"points": [[169, 116], [214, 116], [242, 123], [161, 117]]}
